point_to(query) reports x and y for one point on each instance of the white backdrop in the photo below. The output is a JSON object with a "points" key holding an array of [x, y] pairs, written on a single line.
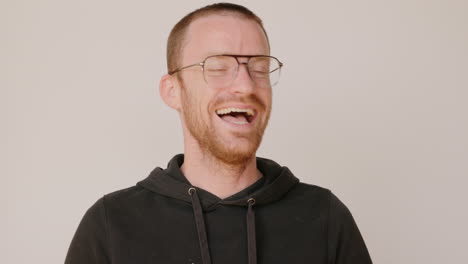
{"points": [[372, 104]]}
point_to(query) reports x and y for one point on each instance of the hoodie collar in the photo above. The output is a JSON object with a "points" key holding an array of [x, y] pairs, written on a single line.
{"points": [[171, 182]]}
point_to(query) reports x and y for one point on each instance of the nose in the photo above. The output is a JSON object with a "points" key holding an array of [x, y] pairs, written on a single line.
{"points": [[243, 83]]}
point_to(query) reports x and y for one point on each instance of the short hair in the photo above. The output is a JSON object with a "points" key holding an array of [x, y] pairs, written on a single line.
{"points": [[177, 35]]}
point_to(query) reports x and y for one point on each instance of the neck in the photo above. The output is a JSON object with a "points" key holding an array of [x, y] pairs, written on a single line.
{"points": [[223, 180]]}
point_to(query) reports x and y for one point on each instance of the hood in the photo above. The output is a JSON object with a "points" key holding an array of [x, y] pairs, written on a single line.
{"points": [[275, 183], [171, 182]]}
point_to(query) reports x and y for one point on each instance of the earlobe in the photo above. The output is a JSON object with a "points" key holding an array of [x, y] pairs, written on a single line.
{"points": [[168, 90]]}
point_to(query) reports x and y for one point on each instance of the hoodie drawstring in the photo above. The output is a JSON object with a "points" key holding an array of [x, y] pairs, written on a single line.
{"points": [[201, 229], [251, 240]]}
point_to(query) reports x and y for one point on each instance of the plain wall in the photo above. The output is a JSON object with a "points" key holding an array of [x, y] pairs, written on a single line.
{"points": [[372, 104]]}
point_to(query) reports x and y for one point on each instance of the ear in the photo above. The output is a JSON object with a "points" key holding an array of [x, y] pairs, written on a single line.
{"points": [[169, 90]]}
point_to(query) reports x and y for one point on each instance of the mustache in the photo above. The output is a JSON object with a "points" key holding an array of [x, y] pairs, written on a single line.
{"points": [[250, 99]]}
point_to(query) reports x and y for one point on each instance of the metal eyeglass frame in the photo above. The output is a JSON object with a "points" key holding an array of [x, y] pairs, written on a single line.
{"points": [[202, 64]]}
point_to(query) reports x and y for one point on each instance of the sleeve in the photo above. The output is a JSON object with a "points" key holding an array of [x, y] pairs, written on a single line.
{"points": [[90, 244], [345, 243]]}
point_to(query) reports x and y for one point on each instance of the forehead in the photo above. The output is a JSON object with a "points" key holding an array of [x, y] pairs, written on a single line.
{"points": [[223, 34]]}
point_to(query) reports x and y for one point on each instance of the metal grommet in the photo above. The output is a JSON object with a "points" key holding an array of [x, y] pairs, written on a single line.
{"points": [[251, 201], [191, 190]]}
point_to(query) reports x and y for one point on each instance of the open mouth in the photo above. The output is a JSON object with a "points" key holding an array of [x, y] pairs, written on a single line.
{"points": [[236, 116]]}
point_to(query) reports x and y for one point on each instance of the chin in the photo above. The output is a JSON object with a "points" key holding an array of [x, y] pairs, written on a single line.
{"points": [[236, 158], [235, 155]]}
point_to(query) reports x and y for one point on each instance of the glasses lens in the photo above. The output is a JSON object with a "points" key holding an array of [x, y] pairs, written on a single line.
{"points": [[265, 71], [219, 70]]}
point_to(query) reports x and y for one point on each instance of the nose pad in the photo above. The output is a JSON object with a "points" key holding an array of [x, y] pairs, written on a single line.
{"points": [[242, 82], [246, 69]]}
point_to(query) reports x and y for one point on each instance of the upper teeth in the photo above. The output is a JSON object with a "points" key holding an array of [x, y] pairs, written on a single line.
{"points": [[224, 111]]}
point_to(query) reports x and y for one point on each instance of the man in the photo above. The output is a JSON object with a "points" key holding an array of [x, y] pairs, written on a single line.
{"points": [[218, 203]]}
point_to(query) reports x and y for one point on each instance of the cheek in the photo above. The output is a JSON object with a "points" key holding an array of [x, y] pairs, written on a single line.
{"points": [[266, 96], [200, 105], [208, 106], [199, 98], [190, 103]]}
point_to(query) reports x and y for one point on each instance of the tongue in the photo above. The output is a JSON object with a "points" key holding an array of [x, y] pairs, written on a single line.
{"points": [[236, 119]]}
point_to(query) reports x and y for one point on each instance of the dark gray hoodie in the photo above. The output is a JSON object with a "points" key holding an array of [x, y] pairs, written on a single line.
{"points": [[164, 219]]}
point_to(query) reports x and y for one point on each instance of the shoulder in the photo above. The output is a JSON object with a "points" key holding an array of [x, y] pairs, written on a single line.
{"points": [[127, 198], [131, 192], [317, 196], [309, 198], [122, 198], [311, 192], [307, 187]]}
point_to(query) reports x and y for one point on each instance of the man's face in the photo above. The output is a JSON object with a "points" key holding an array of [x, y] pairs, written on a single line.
{"points": [[232, 138]]}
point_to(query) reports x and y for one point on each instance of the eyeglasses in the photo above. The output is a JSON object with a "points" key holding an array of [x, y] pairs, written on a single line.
{"points": [[221, 70]]}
